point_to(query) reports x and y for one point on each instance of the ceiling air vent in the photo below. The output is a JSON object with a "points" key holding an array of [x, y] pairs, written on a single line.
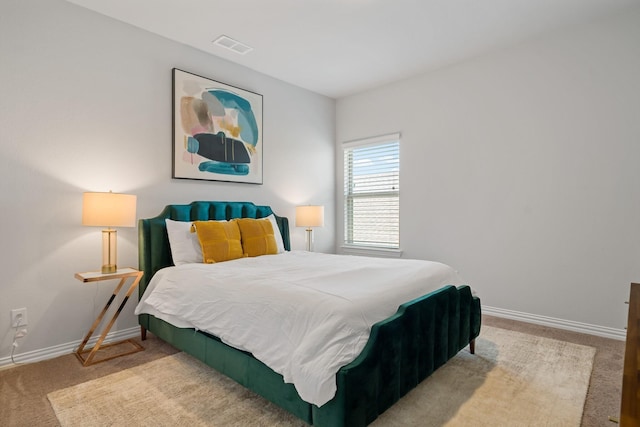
{"points": [[233, 45]]}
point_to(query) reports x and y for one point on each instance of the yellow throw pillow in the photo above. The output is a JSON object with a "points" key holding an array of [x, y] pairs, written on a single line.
{"points": [[220, 241], [257, 237]]}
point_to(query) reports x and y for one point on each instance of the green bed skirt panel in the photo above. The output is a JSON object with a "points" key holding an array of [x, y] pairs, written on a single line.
{"points": [[238, 365], [401, 352]]}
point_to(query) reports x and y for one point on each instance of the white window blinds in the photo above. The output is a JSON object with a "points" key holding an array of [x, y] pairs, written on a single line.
{"points": [[372, 192]]}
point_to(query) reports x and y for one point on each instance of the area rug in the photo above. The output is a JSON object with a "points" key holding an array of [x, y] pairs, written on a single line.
{"points": [[514, 379]]}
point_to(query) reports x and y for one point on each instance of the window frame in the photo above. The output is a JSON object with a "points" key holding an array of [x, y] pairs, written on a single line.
{"points": [[386, 250]]}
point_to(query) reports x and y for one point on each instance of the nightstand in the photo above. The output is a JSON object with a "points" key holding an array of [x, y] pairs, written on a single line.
{"points": [[123, 274]]}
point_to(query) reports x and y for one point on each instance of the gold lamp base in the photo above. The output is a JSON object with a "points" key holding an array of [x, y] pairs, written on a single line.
{"points": [[109, 251], [106, 269], [309, 239]]}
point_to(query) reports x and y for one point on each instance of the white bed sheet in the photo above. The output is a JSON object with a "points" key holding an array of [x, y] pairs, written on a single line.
{"points": [[303, 314]]}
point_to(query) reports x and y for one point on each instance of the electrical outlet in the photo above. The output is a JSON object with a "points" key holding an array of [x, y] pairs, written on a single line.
{"points": [[18, 317]]}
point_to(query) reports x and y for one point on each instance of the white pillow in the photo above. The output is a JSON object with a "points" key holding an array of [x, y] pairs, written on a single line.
{"points": [[185, 247], [276, 233]]}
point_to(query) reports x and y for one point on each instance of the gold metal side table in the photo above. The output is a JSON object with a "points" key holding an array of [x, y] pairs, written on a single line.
{"points": [[95, 276]]}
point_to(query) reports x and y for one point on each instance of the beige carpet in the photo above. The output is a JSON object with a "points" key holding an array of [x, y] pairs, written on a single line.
{"points": [[514, 379]]}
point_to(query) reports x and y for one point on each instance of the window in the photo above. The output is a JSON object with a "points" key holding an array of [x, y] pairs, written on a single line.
{"points": [[372, 192]]}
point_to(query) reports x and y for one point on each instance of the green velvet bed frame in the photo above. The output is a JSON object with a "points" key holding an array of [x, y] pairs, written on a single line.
{"points": [[401, 352]]}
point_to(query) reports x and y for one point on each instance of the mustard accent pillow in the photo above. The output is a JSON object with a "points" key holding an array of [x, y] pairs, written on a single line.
{"points": [[257, 237], [220, 241]]}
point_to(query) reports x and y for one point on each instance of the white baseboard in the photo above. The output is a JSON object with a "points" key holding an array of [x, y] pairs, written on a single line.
{"points": [[62, 349], [585, 328]]}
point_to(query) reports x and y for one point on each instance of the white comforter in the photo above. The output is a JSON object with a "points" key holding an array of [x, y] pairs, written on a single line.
{"points": [[303, 314]]}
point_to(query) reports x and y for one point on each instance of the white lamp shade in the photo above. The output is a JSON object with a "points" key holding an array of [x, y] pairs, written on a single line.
{"points": [[109, 209], [310, 216]]}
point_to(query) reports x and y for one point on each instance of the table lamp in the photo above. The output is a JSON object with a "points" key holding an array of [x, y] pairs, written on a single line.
{"points": [[309, 216], [109, 210]]}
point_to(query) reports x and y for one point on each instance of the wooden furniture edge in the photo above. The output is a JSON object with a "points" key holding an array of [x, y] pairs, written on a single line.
{"points": [[629, 416]]}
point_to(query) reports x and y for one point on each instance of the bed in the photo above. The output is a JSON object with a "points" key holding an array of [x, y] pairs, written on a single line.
{"points": [[401, 350]]}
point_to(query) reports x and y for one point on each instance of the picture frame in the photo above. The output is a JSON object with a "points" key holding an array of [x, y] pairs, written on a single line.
{"points": [[217, 131]]}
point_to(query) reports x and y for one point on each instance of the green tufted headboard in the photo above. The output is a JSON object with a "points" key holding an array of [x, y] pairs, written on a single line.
{"points": [[153, 243]]}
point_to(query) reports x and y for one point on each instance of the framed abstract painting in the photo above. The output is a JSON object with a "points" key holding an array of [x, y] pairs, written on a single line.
{"points": [[217, 130]]}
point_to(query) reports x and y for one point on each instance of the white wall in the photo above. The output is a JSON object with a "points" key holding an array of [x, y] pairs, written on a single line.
{"points": [[520, 169], [85, 105]]}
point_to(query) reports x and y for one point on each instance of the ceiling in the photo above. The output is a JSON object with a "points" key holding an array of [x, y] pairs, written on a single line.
{"points": [[341, 47]]}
